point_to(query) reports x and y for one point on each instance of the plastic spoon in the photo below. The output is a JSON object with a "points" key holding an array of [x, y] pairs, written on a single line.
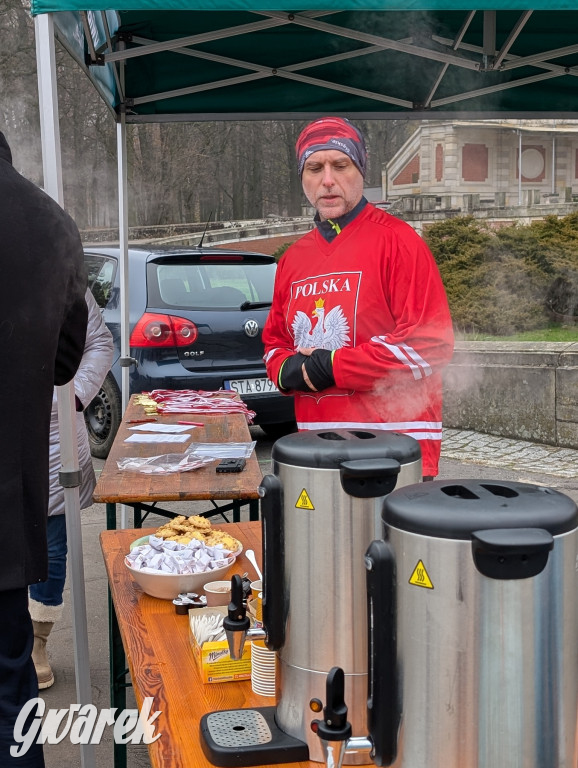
{"points": [[251, 558]]}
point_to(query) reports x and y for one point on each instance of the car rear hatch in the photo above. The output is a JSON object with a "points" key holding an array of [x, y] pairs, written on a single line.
{"points": [[226, 297]]}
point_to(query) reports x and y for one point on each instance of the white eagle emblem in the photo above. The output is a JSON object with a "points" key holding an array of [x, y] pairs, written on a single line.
{"points": [[331, 331]]}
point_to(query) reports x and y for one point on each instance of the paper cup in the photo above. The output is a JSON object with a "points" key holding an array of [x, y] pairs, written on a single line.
{"points": [[256, 587], [218, 593]]}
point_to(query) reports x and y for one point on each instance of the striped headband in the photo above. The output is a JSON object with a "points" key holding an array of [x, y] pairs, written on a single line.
{"points": [[331, 133]]}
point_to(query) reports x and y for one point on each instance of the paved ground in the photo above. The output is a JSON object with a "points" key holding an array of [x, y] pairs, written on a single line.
{"points": [[464, 455], [504, 453]]}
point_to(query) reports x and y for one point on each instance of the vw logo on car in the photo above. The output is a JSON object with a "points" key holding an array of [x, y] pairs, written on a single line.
{"points": [[251, 328]]}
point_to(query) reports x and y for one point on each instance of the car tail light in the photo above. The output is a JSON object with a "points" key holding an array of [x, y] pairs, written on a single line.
{"points": [[163, 331]]}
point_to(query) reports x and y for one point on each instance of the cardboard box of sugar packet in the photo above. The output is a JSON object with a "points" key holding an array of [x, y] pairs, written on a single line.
{"points": [[213, 658]]}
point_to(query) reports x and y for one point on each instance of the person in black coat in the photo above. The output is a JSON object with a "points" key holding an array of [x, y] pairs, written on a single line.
{"points": [[43, 316]]}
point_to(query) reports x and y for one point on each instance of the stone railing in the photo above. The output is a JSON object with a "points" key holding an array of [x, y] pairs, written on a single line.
{"points": [[422, 215], [217, 232], [522, 390]]}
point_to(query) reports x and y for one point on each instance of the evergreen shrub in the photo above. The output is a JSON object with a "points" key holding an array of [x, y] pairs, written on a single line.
{"points": [[513, 279]]}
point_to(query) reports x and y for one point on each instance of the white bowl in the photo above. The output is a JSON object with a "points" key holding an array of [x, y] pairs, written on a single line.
{"points": [[168, 585], [139, 542]]}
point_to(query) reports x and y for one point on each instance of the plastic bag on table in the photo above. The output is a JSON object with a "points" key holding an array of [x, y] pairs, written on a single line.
{"points": [[168, 463], [222, 450]]}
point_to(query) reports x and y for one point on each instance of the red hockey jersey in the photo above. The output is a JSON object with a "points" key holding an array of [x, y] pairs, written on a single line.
{"points": [[374, 294]]}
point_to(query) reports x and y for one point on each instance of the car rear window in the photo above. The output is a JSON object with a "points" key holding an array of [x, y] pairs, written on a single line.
{"points": [[211, 285]]}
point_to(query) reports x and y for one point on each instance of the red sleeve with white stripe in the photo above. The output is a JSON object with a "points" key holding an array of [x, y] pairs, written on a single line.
{"points": [[422, 339]]}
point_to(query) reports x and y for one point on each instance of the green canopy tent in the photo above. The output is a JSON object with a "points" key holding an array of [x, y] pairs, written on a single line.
{"points": [[167, 60], [255, 59], [224, 59]]}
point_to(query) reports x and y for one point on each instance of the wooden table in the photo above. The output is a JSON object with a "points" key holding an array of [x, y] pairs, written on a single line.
{"points": [[144, 492], [160, 659]]}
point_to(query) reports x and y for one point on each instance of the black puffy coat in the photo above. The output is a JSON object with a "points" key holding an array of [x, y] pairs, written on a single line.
{"points": [[43, 317]]}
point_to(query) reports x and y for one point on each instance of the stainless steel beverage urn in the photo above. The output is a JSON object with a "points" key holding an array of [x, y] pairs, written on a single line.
{"points": [[319, 516], [473, 610]]}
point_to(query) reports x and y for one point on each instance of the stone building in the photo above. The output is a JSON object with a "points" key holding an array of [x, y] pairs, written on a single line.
{"points": [[469, 165]]}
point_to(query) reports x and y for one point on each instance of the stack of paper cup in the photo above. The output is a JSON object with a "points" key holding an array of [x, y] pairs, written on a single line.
{"points": [[262, 669], [263, 660]]}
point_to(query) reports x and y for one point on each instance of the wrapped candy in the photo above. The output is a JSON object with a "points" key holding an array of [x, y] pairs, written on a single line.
{"points": [[173, 557]]}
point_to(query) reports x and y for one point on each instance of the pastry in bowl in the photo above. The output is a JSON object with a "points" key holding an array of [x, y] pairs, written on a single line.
{"points": [[184, 529]]}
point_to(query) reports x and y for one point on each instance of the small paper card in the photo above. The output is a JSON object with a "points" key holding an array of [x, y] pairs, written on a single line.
{"points": [[156, 438], [152, 427]]}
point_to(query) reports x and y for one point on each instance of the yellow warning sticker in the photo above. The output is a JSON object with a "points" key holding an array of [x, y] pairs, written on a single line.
{"points": [[304, 502], [420, 577]]}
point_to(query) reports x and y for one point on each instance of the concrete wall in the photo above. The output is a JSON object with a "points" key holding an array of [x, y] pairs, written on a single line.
{"points": [[523, 390]]}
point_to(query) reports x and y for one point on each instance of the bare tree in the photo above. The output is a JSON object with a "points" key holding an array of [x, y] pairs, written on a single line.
{"points": [[19, 118], [178, 172]]}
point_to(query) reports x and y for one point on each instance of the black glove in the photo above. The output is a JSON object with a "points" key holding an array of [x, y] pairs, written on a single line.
{"points": [[319, 367], [291, 375]]}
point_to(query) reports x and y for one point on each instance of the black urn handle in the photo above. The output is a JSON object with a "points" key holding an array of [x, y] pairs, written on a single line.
{"points": [[273, 559], [511, 553], [369, 478], [383, 711]]}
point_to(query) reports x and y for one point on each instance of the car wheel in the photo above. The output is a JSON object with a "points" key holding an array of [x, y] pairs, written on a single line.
{"points": [[275, 431], [103, 417]]}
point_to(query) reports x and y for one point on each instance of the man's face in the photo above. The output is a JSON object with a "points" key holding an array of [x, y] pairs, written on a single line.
{"points": [[332, 183]]}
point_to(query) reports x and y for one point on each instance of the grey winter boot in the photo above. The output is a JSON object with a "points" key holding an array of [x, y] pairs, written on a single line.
{"points": [[39, 655]]}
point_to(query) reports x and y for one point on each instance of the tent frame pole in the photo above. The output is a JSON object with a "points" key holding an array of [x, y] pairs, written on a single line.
{"points": [[122, 172], [70, 472]]}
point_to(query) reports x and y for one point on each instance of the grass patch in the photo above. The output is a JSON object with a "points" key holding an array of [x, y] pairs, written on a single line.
{"points": [[563, 333]]}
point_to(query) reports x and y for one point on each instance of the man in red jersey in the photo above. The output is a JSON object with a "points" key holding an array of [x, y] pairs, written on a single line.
{"points": [[359, 328]]}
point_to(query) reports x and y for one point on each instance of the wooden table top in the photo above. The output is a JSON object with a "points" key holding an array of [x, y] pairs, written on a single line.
{"points": [[160, 658], [116, 486]]}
